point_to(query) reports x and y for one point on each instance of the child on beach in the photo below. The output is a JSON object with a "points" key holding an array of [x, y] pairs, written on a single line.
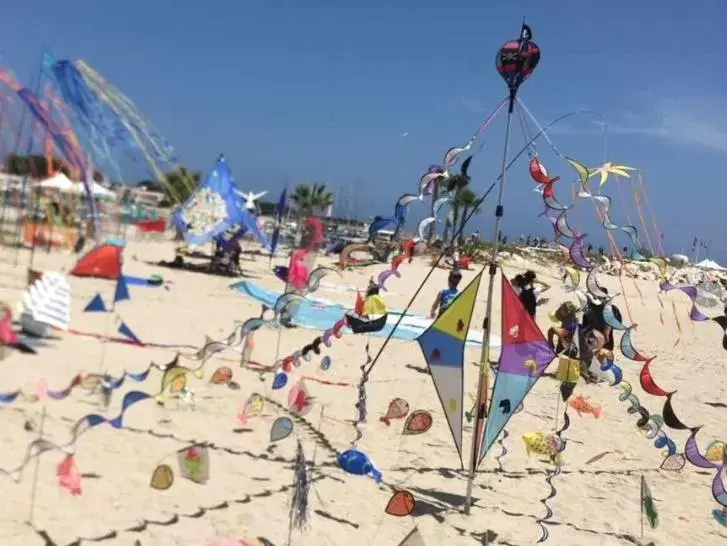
{"points": [[566, 316], [445, 297]]}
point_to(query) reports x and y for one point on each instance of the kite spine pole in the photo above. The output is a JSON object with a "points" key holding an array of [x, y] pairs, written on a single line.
{"points": [[484, 368], [24, 188]]}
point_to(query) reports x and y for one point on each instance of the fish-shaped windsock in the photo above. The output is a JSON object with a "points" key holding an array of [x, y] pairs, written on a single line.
{"points": [[539, 443], [356, 462]]}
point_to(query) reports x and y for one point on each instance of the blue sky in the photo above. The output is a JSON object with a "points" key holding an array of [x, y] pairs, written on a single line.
{"points": [[322, 91]]}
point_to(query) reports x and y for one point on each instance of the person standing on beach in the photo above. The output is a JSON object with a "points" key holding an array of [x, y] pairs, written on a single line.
{"points": [[529, 290], [446, 297]]}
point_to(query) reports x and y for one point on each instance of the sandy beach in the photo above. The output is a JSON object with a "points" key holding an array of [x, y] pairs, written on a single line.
{"points": [[248, 492]]}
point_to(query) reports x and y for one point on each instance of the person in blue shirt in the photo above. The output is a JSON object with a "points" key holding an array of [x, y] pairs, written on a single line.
{"points": [[445, 297]]}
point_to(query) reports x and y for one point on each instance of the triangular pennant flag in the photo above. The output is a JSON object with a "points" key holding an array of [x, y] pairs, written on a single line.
{"points": [[122, 290], [414, 538], [524, 356], [647, 505], [96, 305], [125, 331], [443, 347]]}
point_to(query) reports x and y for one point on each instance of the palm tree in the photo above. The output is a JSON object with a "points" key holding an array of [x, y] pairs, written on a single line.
{"points": [[178, 185], [310, 198], [467, 200]]}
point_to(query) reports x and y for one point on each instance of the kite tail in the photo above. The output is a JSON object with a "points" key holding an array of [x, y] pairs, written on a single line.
{"points": [[361, 412], [566, 389], [651, 424], [545, 534], [503, 449]]}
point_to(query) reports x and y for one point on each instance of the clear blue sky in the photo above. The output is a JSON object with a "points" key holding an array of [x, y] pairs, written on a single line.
{"points": [[323, 91]]}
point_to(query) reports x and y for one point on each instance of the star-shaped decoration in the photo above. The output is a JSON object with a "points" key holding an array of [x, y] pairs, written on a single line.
{"points": [[609, 168]]}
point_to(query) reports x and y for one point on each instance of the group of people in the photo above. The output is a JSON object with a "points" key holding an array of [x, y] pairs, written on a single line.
{"points": [[595, 335]]}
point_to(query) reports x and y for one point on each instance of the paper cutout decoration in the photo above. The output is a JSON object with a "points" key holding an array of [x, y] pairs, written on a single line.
{"points": [[418, 422], [414, 538], [358, 463], [162, 478], [96, 305], [400, 504], [68, 475], [221, 376], [398, 409], [720, 516], [673, 463], [279, 381], [253, 407], [514, 381], [299, 400], [248, 346], [281, 429], [194, 463], [121, 292], [443, 346]]}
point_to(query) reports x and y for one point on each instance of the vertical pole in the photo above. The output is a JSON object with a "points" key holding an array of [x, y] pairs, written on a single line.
{"points": [[34, 487], [641, 506], [483, 379], [25, 178]]}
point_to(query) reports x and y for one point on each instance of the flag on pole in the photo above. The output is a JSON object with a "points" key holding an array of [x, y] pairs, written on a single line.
{"points": [[648, 508]]}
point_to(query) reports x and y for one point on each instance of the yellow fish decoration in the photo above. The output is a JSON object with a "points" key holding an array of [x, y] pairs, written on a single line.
{"points": [[541, 444]]}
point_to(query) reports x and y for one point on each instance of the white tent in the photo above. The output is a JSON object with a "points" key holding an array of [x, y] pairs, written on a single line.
{"points": [[709, 264], [60, 182]]}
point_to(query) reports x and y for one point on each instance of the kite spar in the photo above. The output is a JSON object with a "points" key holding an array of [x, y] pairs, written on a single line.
{"points": [[515, 62]]}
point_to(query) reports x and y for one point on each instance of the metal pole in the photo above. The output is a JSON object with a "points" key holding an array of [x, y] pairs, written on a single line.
{"points": [[482, 382]]}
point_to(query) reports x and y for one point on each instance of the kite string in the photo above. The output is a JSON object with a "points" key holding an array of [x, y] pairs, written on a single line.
{"points": [[541, 132], [600, 215]]}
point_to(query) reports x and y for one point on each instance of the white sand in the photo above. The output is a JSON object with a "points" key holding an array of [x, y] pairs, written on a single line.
{"points": [[596, 504]]}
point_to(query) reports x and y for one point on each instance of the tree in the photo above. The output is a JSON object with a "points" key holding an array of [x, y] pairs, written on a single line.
{"points": [[33, 165], [311, 198], [178, 185], [467, 200]]}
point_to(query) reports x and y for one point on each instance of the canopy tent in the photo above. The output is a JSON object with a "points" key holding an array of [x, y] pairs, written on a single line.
{"points": [[709, 264], [60, 182]]}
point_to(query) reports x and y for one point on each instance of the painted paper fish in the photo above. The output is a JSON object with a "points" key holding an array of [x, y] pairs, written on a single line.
{"points": [[356, 462], [582, 405], [398, 409]]}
